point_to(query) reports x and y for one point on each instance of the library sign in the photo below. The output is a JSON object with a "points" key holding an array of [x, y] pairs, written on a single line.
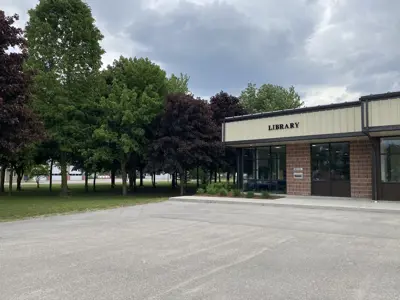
{"points": [[284, 126]]}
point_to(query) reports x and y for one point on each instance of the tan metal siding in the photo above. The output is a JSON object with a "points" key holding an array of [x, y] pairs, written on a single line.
{"points": [[384, 112], [333, 121]]}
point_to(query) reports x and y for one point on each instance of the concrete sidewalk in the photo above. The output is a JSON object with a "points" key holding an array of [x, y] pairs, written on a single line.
{"points": [[311, 202]]}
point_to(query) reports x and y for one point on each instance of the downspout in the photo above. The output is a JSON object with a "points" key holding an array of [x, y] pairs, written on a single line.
{"points": [[365, 130]]}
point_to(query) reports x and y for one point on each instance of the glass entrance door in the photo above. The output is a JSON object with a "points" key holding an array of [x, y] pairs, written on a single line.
{"points": [[330, 165]]}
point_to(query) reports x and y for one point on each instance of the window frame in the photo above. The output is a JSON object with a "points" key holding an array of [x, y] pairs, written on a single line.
{"points": [[255, 171], [383, 158]]}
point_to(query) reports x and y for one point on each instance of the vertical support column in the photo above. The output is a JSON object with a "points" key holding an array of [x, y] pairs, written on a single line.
{"points": [[375, 143], [298, 156], [239, 168], [256, 164], [361, 166]]}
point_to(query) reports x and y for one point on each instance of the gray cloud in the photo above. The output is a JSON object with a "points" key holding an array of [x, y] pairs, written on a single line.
{"points": [[330, 50], [222, 48]]}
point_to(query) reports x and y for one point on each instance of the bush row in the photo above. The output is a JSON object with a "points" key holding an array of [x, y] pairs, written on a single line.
{"points": [[225, 189]]}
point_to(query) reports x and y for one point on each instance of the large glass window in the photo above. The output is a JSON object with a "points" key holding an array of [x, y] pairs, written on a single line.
{"points": [[330, 161], [248, 164], [390, 159], [264, 168]]}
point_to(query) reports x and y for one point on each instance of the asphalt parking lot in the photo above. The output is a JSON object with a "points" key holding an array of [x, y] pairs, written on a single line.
{"points": [[176, 250]]}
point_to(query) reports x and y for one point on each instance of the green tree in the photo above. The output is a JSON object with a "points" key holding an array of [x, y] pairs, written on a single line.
{"points": [[65, 53], [178, 85], [47, 152], [38, 172], [269, 97], [135, 99]]}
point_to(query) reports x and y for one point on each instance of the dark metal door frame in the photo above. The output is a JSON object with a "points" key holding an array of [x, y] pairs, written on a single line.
{"points": [[330, 187], [386, 190]]}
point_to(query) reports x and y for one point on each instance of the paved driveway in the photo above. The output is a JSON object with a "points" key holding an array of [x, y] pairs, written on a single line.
{"points": [[176, 251]]}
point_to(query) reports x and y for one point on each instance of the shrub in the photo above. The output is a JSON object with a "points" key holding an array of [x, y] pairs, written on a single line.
{"points": [[231, 186], [237, 193], [215, 187], [250, 194], [220, 185], [265, 195], [200, 191], [212, 190], [223, 192]]}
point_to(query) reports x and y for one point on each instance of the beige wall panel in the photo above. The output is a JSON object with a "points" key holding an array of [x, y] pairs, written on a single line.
{"points": [[311, 123], [384, 112]]}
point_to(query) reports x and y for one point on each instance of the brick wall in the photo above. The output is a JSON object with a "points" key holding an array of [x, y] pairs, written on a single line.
{"points": [[361, 169], [298, 156]]}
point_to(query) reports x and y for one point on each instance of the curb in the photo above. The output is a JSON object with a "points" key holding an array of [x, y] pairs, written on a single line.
{"points": [[304, 206]]}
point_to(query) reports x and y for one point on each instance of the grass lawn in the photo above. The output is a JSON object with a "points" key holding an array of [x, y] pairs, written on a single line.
{"points": [[31, 202]]}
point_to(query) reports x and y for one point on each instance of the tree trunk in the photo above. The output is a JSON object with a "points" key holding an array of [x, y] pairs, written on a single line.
{"points": [[10, 181], [173, 181], [86, 181], [204, 179], [154, 180], [51, 176], [113, 178], [134, 181], [182, 182], [123, 173], [2, 178], [130, 177], [197, 174], [20, 174], [219, 177], [228, 176], [215, 177], [185, 179], [234, 178], [37, 182], [64, 176], [210, 177], [94, 181], [141, 176]]}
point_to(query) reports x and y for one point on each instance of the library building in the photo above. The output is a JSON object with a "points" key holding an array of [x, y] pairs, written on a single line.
{"points": [[349, 149]]}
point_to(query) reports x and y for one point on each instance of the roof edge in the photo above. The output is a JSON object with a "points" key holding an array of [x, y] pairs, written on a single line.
{"points": [[293, 111], [382, 96]]}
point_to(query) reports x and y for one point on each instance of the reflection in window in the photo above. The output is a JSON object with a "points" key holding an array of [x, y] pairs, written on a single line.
{"points": [[264, 169], [390, 160], [248, 164], [340, 161], [330, 161], [320, 162]]}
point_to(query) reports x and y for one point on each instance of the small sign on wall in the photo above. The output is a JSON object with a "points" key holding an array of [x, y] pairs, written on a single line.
{"points": [[298, 173]]}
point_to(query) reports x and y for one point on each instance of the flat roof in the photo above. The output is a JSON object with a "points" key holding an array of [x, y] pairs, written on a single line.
{"points": [[293, 111]]}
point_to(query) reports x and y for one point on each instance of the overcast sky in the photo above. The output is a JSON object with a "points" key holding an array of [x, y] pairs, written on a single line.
{"points": [[330, 50]]}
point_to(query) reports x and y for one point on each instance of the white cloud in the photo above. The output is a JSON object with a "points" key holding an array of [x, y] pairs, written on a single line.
{"points": [[324, 94]]}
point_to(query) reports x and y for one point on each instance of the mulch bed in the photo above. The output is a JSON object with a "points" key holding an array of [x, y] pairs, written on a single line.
{"points": [[230, 195]]}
